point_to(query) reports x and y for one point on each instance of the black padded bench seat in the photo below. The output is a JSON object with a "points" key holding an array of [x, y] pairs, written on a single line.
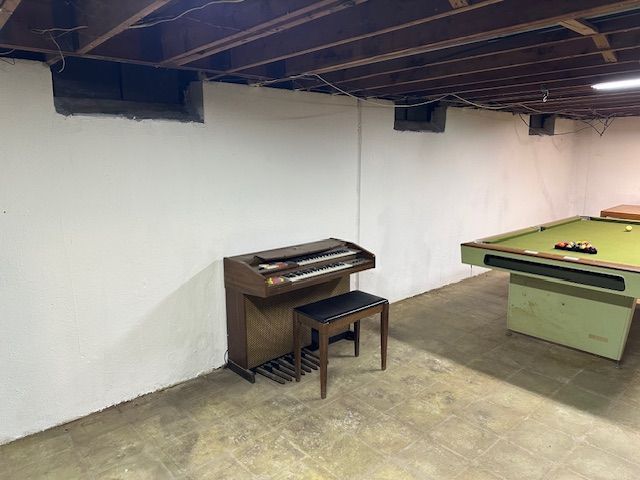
{"points": [[332, 308], [333, 314]]}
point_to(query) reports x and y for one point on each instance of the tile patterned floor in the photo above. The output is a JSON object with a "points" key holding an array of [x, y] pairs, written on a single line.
{"points": [[460, 400]]}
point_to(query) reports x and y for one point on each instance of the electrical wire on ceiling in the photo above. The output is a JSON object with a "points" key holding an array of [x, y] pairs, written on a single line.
{"points": [[454, 95], [366, 100], [49, 32], [62, 57], [63, 31], [158, 21], [44, 31], [604, 120]]}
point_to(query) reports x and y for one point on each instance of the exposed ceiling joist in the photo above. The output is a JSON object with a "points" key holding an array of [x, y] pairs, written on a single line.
{"points": [[477, 52], [276, 25], [383, 17], [105, 20], [542, 79], [555, 70], [51, 56], [6, 10], [584, 98], [534, 59], [491, 25], [531, 90]]}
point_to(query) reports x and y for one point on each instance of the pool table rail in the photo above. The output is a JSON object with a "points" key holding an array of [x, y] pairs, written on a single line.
{"points": [[490, 243]]}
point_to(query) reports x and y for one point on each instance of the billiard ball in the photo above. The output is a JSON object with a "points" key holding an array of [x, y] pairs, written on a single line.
{"points": [[629, 228]]}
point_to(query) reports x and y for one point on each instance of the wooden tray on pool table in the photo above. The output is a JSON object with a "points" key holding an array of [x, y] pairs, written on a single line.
{"points": [[629, 212]]}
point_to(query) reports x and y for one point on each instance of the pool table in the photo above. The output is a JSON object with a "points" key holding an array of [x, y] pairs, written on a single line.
{"points": [[584, 301]]}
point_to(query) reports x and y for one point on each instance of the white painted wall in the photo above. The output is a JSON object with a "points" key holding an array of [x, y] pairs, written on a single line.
{"points": [[112, 231], [609, 166], [424, 193], [112, 234]]}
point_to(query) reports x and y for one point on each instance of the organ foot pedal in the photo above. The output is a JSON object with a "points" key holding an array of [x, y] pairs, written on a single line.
{"points": [[282, 370]]}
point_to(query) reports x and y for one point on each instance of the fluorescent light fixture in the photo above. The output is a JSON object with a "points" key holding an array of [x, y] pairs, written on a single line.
{"points": [[618, 85]]}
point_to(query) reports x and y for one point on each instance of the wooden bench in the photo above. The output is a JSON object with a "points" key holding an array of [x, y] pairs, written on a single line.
{"points": [[332, 315]]}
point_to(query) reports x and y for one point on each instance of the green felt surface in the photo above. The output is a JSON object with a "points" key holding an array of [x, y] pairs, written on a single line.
{"points": [[614, 244]]}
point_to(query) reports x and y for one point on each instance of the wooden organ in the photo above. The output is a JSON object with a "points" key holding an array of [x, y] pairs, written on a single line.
{"points": [[262, 288]]}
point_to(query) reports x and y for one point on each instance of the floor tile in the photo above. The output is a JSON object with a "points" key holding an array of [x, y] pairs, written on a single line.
{"points": [[462, 437], [599, 465], [140, 467], [511, 461], [564, 473], [615, 439], [62, 466], [428, 460], [541, 440], [38, 449], [272, 454], [493, 416]]}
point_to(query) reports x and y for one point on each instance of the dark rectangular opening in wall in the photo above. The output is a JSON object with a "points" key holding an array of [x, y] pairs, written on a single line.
{"points": [[93, 87], [542, 125], [423, 118]]}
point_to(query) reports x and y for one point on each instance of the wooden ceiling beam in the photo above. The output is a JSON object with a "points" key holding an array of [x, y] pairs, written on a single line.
{"points": [[533, 55], [602, 42], [491, 90], [494, 50], [580, 26], [528, 92], [530, 76], [382, 17], [585, 28], [592, 96], [498, 92], [52, 55], [525, 62], [515, 75], [494, 21], [106, 19], [6, 10], [284, 22], [581, 98], [595, 104], [635, 107]]}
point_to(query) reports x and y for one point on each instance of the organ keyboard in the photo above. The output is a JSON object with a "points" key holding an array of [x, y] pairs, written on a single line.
{"points": [[263, 287], [316, 271]]}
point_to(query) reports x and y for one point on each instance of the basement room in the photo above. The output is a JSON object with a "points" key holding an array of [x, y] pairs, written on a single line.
{"points": [[319, 239]]}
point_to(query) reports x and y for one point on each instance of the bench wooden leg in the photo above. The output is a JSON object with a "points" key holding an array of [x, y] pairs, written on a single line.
{"points": [[384, 334], [356, 338], [324, 354], [296, 346]]}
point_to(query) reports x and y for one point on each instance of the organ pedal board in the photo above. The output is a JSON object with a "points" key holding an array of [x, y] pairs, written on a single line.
{"points": [[282, 370]]}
